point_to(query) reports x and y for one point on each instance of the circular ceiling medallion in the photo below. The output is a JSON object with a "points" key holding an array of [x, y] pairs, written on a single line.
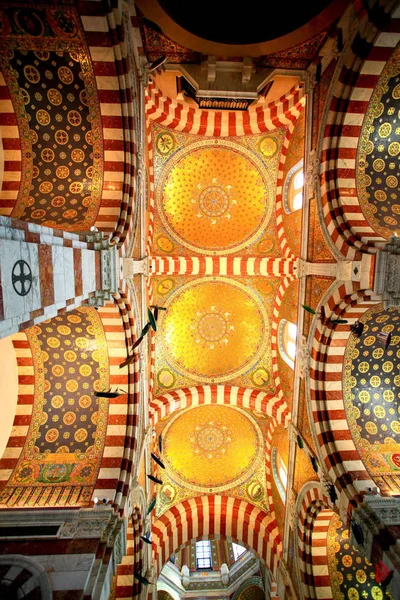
{"points": [[212, 448], [214, 197], [214, 329], [378, 159]]}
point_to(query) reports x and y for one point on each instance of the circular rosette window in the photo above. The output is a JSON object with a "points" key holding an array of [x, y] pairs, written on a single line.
{"points": [[214, 330], [214, 197], [212, 448]]}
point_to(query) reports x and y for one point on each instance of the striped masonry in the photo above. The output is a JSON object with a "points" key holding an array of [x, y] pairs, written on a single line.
{"points": [[281, 406], [259, 119], [113, 462], [216, 515], [283, 112], [127, 586], [312, 533], [106, 38], [351, 90], [269, 476], [166, 404], [128, 441], [22, 419], [285, 248], [336, 447], [222, 265], [113, 454], [10, 152]]}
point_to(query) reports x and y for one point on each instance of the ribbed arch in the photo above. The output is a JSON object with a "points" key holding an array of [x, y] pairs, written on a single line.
{"points": [[169, 402], [356, 76], [332, 437], [216, 515], [312, 529]]}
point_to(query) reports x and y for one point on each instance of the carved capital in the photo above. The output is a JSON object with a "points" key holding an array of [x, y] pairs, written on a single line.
{"points": [[312, 174], [132, 267]]}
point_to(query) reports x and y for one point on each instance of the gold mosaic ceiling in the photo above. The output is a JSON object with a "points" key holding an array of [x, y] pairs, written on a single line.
{"points": [[214, 329], [378, 161], [214, 197], [212, 448]]}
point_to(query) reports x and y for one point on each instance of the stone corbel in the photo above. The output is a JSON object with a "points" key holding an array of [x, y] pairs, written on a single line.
{"points": [[310, 78], [91, 524], [132, 267], [303, 358], [312, 174]]}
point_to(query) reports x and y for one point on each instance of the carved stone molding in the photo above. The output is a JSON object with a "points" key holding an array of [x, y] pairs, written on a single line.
{"points": [[131, 267], [387, 280], [312, 174]]}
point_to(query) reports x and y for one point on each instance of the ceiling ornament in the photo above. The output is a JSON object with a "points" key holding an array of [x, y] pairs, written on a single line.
{"points": [[214, 330], [53, 89], [65, 441], [371, 386], [378, 166], [214, 196], [212, 449]]}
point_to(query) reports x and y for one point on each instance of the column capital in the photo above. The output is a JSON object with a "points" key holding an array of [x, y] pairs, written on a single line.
{"points": [[132, 266], [312, 173]]}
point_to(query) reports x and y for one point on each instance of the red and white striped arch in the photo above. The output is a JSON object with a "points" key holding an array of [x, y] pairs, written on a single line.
{"points": [[169, 402], [106, 37], [330, 427], [282, 408], [285, 248], [312, 532], [259, 119], [351, 90], [23, 415], [127, 586], [12, 159], [121, 434], [231, 266], [163, 110], [216, 515]]}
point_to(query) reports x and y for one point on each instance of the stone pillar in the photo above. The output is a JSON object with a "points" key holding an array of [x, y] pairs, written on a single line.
{"points": [[44, 271]]}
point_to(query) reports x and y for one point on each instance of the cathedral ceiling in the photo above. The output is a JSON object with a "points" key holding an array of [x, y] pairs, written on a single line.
{"points": [[45, 62], [372, 391], [352, 576], [378, 168], [215, 197], [212, 449], [64, 444]]}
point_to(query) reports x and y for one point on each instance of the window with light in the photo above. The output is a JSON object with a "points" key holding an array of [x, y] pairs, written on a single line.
{"points": [[287, 335], [203, 555], [293, 188], [279, 471]]}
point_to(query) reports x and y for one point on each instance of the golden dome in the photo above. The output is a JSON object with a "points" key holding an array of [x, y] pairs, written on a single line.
{"points": [[214, 197], [211, 448], [214, 329]]}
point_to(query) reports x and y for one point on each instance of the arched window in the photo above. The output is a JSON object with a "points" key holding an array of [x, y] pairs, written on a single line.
{"points": [[279, 471], [203, 555], [293, 188], [287, 335]]}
